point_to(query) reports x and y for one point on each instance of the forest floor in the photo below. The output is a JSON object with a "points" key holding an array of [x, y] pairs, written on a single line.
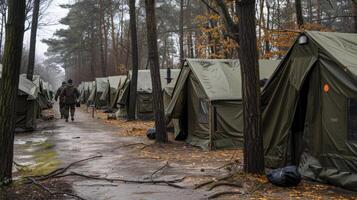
{"points": [[113, 159]]}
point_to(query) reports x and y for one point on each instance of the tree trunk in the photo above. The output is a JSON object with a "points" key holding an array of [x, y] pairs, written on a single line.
{"points": [[93, 53], [318, 10], [135, 61], [182, 56], [354, 14], [266, 33], [9, 86], [32, 52], [298, 10], [161, 135], [114, 45], [1, 35], [248, 55], [101, 24], [309, 4]]}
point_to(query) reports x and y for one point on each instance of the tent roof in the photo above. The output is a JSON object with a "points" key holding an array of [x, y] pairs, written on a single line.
{"points": [[101, 84], [221, 79], [28, 87], [114, 81], [144, 79], [341, 46]]}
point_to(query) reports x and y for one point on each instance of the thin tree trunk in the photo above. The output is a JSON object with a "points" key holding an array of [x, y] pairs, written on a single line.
{"points": [[1, 35], [164, 53], [32, 52], [114, 45], [135, 61], [309, 4], [9, 86], [299, 17], [182, 56], [267, 45], [93, 55], [101, 24], [161, 135], [105, 29], [261, 16], [318, 10], [248, 55], [354, 14]]}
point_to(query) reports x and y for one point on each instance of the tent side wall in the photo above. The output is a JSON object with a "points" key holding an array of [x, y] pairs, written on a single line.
{"points": [[198, 107], [282, 92], [26, 113], [228, 124]]}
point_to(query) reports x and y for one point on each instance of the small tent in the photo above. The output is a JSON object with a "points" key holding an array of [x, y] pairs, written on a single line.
{"points": [[144, 102], [100, 85], [310, 109], [26, 105], [42, 98], [207, 100], [112, 91], [85, 90]]}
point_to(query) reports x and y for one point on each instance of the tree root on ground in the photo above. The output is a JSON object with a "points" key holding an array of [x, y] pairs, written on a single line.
{"points": [[171, 183], [213, 196], [52, 193]]}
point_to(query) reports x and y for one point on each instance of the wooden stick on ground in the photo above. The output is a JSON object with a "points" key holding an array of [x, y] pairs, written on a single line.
{"points": [[161, 168], [169, 182]]}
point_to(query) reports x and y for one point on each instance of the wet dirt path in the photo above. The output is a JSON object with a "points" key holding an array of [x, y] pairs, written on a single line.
{"points": [[58, 144]]}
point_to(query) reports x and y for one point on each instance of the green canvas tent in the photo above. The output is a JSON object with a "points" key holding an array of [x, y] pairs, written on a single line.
{"points": [[310, 109], [42, 99], [144, 102], [207, 100], [99, 87], [26, 105], [85, 90], [112, 90]]}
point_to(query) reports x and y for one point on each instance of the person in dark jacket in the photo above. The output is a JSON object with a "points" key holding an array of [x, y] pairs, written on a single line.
{"points": [[61, 99], [70, 95]]}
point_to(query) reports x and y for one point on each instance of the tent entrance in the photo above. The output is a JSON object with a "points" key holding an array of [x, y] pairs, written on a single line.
{"points": [[298, 125]]}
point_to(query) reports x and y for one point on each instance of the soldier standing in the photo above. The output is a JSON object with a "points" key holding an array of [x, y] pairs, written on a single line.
{"points": [[61, 99], [70, 95]]}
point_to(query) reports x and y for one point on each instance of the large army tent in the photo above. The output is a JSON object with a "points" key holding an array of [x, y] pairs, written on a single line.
{"points": [[207, 100], [310, 109], [112, 91], [144, 104], [26, 104]]}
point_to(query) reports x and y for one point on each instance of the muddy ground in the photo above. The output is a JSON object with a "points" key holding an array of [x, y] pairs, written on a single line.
{"points": [[122, 156]]}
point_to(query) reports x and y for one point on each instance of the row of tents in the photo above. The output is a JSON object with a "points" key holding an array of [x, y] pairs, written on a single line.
{"points": [[309, 105], [32, 97], [113, 92]]}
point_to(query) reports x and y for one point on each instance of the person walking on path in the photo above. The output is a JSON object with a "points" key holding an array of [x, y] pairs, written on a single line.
{"points": [[61, 99], [70, 95]]}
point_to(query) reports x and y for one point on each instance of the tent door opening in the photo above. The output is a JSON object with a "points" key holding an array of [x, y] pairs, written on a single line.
{"points": [[298, 125]]}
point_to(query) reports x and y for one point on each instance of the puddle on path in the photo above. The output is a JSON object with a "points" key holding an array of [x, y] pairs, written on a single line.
{"points": [[35, 154]]}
